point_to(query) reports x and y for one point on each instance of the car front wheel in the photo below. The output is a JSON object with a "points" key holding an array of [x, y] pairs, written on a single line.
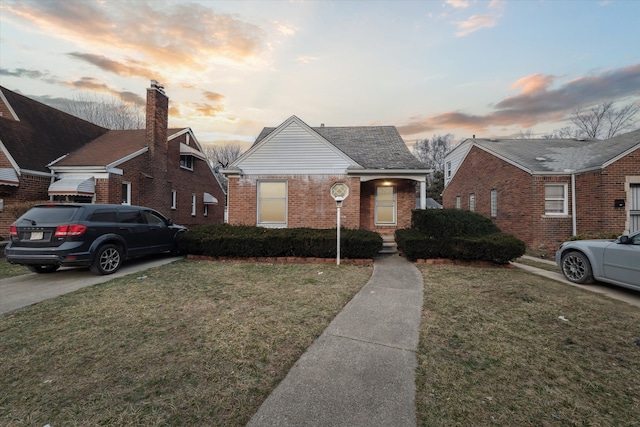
{"points": [[576, 268], [107, 261]]}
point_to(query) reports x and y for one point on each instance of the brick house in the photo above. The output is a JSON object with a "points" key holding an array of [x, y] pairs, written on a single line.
{"points": [[285, 178], [51, 155], [545, 190]]}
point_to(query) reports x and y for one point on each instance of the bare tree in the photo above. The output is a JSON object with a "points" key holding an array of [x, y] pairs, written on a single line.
{"points": [[605, 120], [108, 112], [566, 132], [526, 134], [432, 151], [221, 156]]}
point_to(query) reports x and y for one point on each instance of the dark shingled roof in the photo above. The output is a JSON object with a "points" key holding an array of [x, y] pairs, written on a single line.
{"points": [[108, 148], [560, 155], [372, 147], [43, 134]]}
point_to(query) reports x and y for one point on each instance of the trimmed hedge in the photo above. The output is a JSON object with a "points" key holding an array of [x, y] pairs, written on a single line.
{"points": [[247, 241], [456, 234], [448, 223]]}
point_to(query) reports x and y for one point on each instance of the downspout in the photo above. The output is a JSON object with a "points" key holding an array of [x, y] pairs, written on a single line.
{"points": [[574, 219]]}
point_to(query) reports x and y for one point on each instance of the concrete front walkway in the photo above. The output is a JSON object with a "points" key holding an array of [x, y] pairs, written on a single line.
{"points": [[361, 370]]}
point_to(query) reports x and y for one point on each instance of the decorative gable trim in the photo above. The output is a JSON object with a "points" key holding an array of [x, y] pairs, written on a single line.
{"points": [[8, 106], [8, 155]]}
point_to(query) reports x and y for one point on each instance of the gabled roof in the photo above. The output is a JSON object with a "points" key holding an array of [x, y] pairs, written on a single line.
{"points": [[41, 134], [111, 148], [561, 155], [372, 147]]}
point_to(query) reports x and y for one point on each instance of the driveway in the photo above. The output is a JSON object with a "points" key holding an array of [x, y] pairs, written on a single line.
{"points": [[21, 291], [629, 296]]}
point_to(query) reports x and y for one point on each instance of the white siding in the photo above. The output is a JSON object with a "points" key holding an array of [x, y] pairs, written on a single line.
{"points": [[294, 150], [456, 156]]}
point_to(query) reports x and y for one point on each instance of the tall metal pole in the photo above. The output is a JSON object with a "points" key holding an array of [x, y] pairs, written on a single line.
{"points": [[338, 234]]}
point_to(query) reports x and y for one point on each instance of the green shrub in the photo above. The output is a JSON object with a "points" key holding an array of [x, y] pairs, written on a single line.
{"points": [[415, 245], [500, 248], [449, 223], [248, 241], [457, 234]]}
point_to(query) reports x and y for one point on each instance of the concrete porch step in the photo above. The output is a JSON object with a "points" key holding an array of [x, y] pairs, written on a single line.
{"points": [[389, 245]]}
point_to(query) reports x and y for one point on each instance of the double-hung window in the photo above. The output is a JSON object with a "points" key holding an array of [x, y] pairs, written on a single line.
{"points": [[555, 199], [272, 203], [472, 202], [186, 161]]}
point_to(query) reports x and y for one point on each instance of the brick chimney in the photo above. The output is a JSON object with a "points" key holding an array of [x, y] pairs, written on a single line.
{"points": [[157, 117]]}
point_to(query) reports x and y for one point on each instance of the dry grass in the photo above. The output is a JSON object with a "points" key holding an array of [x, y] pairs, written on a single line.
{"points": [[192, 343], [11, 270], [494, 350]]}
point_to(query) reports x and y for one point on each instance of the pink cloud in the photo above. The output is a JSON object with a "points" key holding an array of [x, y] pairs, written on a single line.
{"points": [[533, 83]]}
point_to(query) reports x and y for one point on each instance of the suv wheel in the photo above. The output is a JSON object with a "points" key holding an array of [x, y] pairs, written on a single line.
{"points": [[40, 269], [107, 261]]}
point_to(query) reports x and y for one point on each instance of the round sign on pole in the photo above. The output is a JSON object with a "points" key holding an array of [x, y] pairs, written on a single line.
{"points": [[339, 189], [339, 192]]}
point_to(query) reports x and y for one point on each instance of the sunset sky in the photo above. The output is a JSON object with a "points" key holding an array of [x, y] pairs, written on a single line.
{"points": [[489, 68]]}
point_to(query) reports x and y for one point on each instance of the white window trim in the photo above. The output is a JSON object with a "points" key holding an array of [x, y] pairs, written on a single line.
{"points": [[395, 206], [193, 205], [187, 167], [472, 202], [269, 224], [206, 209], [565, 199], [174, 199], [458, 202], [128, 185]]}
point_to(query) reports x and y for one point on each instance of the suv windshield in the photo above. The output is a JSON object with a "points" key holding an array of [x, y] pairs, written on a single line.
{"points": [[50, 214]]}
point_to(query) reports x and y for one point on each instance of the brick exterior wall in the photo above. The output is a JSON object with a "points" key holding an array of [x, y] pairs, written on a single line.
{"points": [[405, 203], [521, 198], [152, 176], [309, 202], [32, 188]]}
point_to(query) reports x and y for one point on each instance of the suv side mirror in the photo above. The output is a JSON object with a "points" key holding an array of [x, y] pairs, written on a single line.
{"points": [[169, 221], [625, 240]]}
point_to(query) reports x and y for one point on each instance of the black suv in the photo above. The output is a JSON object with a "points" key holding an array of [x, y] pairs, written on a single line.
{"points": [[94, 235]]}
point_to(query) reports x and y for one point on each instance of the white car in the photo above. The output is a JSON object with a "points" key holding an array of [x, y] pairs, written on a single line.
{"points": [[611, 261]]}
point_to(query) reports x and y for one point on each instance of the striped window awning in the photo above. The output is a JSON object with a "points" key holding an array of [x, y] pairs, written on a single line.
{"points": [[209, 199], [8, 176], [73, 186]]}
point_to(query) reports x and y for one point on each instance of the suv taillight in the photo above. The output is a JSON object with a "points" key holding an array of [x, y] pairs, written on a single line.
{"points": [[69, 230], [13, 231]]}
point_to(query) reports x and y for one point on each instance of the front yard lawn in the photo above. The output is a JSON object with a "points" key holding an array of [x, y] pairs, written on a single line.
{"points": [[505, 347], [189, 343], [204, 343]]}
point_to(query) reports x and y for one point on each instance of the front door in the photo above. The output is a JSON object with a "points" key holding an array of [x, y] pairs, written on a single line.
{"points": [[385, 212]]}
